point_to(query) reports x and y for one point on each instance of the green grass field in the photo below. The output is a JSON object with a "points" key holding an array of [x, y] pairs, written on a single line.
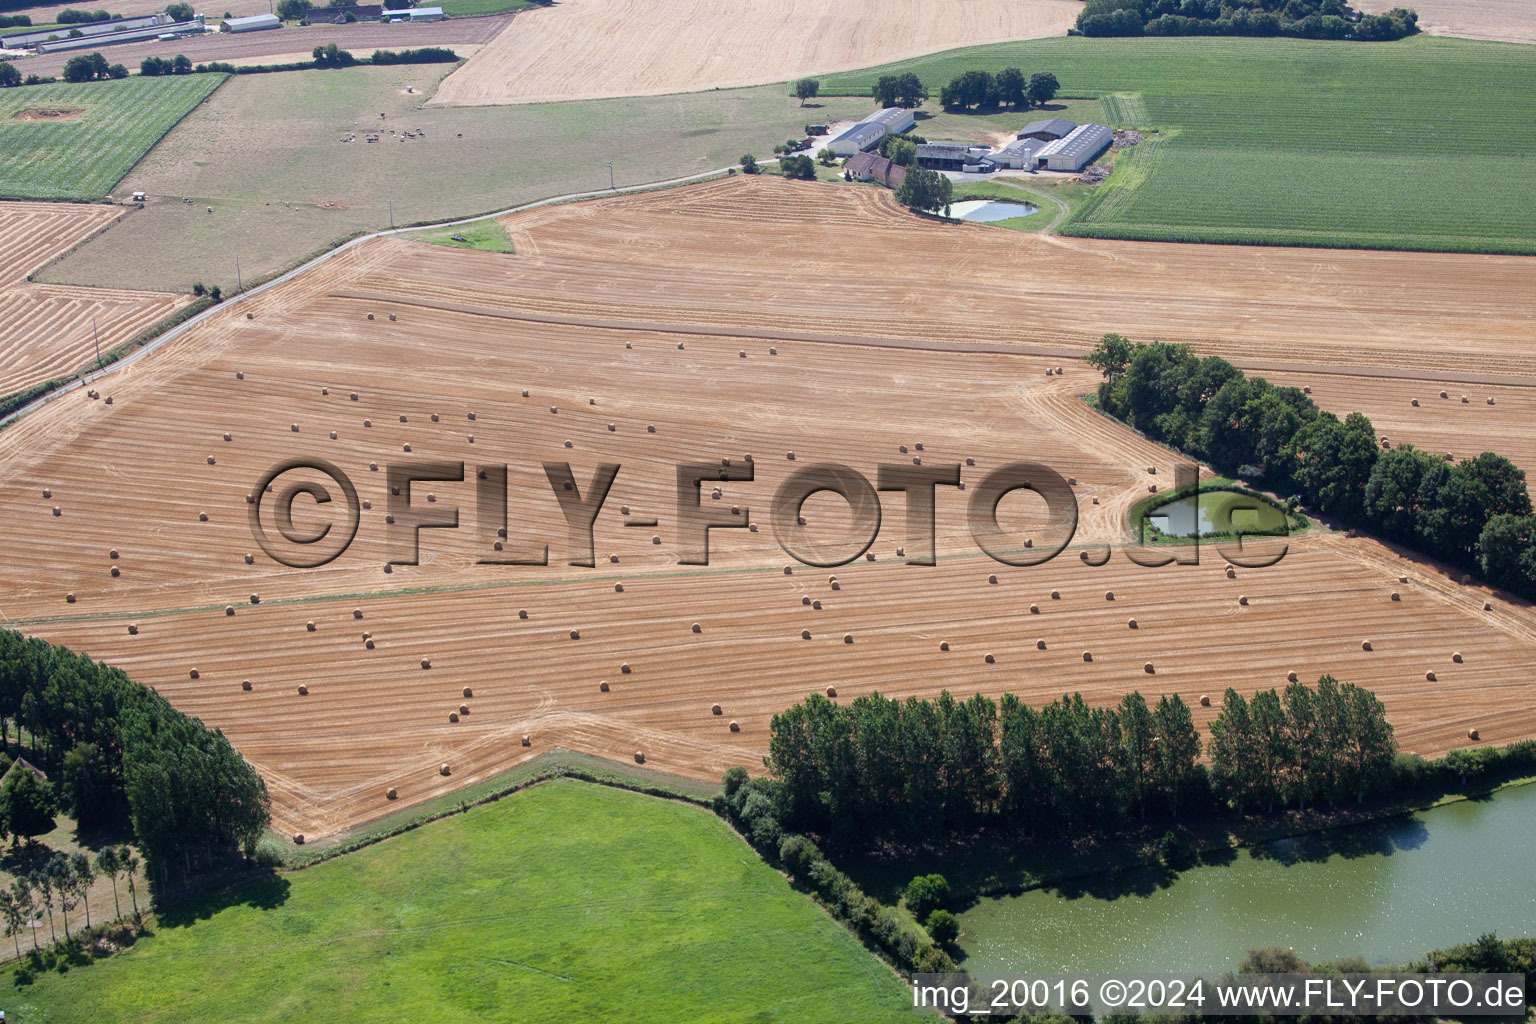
{"points": [[467, 8], [84, 157], [565, 902], [1419, 144], [485, 235]]}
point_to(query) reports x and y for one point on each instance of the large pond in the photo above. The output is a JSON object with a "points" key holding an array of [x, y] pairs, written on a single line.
{"points": [[987, 211], [1389, 892]]}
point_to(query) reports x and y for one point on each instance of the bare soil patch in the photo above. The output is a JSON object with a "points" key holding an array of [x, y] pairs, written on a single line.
{"points": [[47, 114]]}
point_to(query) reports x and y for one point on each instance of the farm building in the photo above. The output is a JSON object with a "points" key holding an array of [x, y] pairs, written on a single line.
{"points": [[24, 40], [950, 156], [874, 167], [1019, 154], [338, 15], [132, 35], [895, 119], [862, 136], [1048, 130], [413, 14], [255, 23], [1075, 150]]}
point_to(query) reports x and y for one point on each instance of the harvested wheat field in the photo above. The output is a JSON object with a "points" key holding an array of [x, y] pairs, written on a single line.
{"points": [[45, 330], [549, 363], [595, 49], [1510, 20]]}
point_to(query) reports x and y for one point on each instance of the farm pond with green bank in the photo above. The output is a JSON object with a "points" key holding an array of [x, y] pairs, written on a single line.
{"points": [[1389, 891]]}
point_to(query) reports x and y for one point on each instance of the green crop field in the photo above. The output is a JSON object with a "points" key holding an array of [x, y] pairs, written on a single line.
{"points": [[565, 902], [84, 157], [1419, 144], [467, 8]]}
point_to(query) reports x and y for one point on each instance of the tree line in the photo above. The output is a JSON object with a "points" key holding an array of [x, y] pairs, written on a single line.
{"points": [[1475, 514], [65, 880], [1008, 88], [328, 55], [1304, 19], [123, 749], [911, 770]]}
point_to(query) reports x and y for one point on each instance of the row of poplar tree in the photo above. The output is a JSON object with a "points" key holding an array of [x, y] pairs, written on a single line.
{"points": [[878, 767]]}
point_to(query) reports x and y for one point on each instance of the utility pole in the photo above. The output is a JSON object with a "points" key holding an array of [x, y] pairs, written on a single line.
{"points": [[610, 177], [97, 339], [239, 284], [391, 203]]}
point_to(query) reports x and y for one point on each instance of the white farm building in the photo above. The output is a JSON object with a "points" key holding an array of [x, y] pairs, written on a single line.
{"points": [[1076, 149], [868, 132], [255, 23]]}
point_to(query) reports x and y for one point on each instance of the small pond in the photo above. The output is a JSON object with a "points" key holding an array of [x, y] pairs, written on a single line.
{"points": [[986, 211]]}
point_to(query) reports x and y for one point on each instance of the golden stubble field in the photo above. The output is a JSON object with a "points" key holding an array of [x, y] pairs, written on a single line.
{"points": [[46, 329], [595, 49], [864, 330]]}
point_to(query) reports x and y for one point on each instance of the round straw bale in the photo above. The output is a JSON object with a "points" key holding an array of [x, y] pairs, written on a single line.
{"points": [[373, 467], [629, 344], [656, 538], [805, 634], [816, 606], [1131, 624], [389, 517], [650, 428], [239, 375], [69, 598], [575, 634], [805, 601], [618, 588], [245, 684], [1083, 555], [1414, 403], [522, 613], [698, 628], [333, 435], [389, 570], [527, 740], [1034, 609], [992, 577], [303, 690], [1487, 606], [202, 517], [640, 754], [194, 674], [298, 837], [714, 709], [228, 436], [445, 770], [1472, 734], [310, 625], [109, 399], [1430, 675], [1242, 599], [751, 527], [1290, 676], [293, 427], [390, 794], [773, 351], [435, 418], [602, 687], [901, 552], [789, 570], [568, 444], [1396, 596], [368, 644], [1148, 668], [1365, 645], [1095, 499], [353, 396], [847, 638], [255, 599], [463, 709], [229, 609], [116, 572], [426, 662], [613, 428], [1152, 488], [367, 423], [1040, 645], [902, 448], [1490, 399], [624, 668], [212, 460], [790, 456], [1087, 655], [1055, 595], [370, 316], [1205, 701], [679, 346], [406, 447], [1456, 657], [735, 726], [1231, 573], [133, 629], [1109, 595], [743, 353], [1306, 389], [990, 660], [943, 645], [471, 415]]}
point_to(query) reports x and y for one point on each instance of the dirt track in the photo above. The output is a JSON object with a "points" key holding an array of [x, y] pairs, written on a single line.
{"points": [[593, 49], [362, 38], [134, 476], [46, 330]]}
